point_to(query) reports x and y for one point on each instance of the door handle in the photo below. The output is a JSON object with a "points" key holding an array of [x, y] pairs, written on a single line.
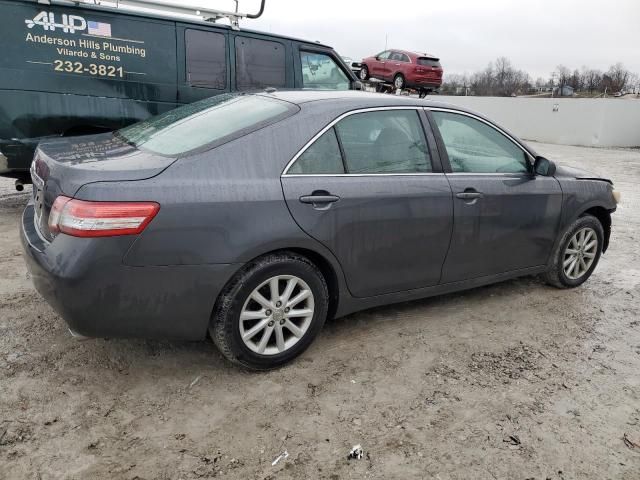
{"points": [[320, 199], [468, 195]]}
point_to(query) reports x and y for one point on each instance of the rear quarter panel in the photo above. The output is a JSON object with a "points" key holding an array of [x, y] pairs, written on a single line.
{"points": [[222, 206]]}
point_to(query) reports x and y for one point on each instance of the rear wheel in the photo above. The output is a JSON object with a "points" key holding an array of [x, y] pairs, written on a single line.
{"points": [[364, 73], [270, 312], [577, 254]]}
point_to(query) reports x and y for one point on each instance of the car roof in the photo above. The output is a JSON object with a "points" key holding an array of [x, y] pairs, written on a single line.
{"points": [[415, 54], [366, 99], [168, 18], [345, 101]]}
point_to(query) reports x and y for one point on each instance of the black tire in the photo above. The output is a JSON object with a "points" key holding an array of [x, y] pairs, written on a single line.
{"points": [[398, 79], [224, 327], [556, 275], [364, 73]]}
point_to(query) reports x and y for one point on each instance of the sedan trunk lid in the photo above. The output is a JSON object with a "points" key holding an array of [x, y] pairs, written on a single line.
{"points": [[62, 166]]}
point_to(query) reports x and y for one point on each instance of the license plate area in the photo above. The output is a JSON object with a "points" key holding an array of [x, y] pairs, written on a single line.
{"points": [[40, 219]]}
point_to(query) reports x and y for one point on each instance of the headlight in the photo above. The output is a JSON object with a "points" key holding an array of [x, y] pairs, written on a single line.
{"points": [[616, 195]]}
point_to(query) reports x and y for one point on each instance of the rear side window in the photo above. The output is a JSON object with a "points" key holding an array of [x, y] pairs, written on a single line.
{"points": [[428, 62], [321, 157], [206, 59], [389, 141], [205, 123], [259, 64], [320, 72]]}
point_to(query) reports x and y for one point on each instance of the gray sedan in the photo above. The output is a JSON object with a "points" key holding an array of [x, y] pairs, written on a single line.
{"points": [[255, 217]]}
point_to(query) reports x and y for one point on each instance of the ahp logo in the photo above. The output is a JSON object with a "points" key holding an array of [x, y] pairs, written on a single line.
{"points": [[47, 20]]}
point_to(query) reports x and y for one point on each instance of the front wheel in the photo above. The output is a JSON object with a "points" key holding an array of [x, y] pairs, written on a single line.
{"points": [[270, 312], [577, 253]]}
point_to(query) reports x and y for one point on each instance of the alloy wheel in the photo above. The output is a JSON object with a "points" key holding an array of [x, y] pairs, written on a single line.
{"points": [[276, 315], [580, 253]]}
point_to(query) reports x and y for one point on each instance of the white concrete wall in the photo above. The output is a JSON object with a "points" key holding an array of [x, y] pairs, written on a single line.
{"points": [[589, 122]]}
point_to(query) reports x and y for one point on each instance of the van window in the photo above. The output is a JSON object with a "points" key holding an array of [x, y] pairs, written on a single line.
{"points": [[319, 71], [259, 63], [206, 59], [212, 120]]}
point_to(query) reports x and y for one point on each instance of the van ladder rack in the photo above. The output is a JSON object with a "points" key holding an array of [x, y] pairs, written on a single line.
{"points": [[166, 7]]}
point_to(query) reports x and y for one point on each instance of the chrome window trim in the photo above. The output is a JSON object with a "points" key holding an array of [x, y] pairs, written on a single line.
{"points": [[420, 174], [331, 125], [495, 127]]}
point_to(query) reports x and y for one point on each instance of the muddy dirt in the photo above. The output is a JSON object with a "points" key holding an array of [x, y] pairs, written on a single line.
{"points": [[513, 381]]}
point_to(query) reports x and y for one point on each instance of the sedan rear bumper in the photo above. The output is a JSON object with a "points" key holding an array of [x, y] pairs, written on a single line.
{"points": [[85, 281]]}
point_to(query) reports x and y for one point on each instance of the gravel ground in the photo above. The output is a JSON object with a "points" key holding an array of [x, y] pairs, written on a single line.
{"points": [[517, 380]]}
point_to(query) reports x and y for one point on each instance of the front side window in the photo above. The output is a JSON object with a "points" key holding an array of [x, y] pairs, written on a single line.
{"points": [[320, 72], [206, 54], [475, 147], [259, 64], [206, 122], [383, 55]]}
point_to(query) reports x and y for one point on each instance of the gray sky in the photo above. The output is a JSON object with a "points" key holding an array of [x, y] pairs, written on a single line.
{"points": [[536, 35]]}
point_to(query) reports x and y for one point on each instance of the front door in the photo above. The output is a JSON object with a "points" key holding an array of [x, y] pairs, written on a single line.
{"points": [[369, 189], [505, 217], [377, 68]]}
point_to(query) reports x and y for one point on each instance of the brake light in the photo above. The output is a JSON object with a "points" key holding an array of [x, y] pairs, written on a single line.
{"points": [[80, 218]]}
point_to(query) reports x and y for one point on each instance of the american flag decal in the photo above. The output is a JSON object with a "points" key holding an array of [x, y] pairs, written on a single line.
{"points": [[100, 29]]}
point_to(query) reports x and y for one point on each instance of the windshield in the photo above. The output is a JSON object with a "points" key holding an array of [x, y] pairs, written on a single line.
{"points": [[205, 122]]}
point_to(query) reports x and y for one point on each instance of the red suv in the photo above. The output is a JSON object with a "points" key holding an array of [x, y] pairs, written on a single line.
{"points": [[404, 69]]}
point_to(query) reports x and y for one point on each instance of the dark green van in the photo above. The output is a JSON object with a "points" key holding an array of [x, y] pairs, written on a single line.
{"points": [[70, 70]]}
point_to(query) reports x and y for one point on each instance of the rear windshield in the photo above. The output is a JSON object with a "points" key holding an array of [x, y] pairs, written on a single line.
{"points": [[204, 123], [428, 62]]}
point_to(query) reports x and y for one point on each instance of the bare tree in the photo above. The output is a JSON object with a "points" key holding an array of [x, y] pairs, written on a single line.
{"points": [[590, 79], [617, 77], [563, 74], [501, 78]]}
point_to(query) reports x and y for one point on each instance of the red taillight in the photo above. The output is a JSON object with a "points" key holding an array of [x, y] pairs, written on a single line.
{"points": [[100, 219]]}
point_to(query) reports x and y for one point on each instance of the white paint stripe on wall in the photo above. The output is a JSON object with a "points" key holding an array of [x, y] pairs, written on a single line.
{"points": [[588, 122]]}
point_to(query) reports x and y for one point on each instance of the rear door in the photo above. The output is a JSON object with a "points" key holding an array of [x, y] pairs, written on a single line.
{"points": [[505, 217], [370, 188]]}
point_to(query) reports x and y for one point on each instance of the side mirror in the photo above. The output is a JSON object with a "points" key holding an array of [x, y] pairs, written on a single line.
{"points": [[357, 85], [544, 167]]}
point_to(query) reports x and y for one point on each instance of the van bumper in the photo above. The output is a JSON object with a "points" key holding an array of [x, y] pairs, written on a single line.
{"points": [[86, 283]]}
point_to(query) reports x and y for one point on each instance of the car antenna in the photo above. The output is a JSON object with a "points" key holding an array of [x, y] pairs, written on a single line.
{"points": [[271, 90], [169, 8]]}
